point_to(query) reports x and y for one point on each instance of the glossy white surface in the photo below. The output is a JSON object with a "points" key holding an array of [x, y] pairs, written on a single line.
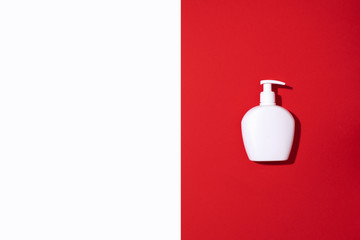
{"points": [[268, 133]]}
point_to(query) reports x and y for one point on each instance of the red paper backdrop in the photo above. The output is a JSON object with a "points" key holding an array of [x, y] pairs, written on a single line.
{"points": [[227, 48]]}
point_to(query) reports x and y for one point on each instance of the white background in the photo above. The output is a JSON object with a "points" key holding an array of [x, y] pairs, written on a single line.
{"points": [[90, 119]]}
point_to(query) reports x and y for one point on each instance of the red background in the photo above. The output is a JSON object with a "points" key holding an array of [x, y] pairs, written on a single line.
{"points": [[227, 48]]}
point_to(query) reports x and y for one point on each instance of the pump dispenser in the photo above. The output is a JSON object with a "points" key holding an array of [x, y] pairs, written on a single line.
{"points": [[268, 129], [267, 96]]}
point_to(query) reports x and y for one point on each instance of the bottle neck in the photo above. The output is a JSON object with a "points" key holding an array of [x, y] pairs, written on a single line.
{"points": [[267, 98]]}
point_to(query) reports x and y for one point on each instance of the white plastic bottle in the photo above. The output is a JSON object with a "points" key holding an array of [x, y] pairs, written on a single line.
{"points": [[268, 129]]}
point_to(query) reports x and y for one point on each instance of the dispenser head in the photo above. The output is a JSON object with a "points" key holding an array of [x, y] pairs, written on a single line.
{"points": [[267, 96]]}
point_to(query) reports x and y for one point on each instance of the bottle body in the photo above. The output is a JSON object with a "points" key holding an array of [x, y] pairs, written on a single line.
{"points": [[268, 133]]}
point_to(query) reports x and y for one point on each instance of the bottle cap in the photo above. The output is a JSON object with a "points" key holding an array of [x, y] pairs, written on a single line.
{"points": [[267, 96]]}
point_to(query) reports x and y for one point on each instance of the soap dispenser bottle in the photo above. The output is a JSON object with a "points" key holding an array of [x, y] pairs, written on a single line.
{"points": [[268, 129]]}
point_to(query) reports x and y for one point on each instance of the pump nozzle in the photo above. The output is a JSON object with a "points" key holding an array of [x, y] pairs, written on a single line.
{"points": [[267, 96]]}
